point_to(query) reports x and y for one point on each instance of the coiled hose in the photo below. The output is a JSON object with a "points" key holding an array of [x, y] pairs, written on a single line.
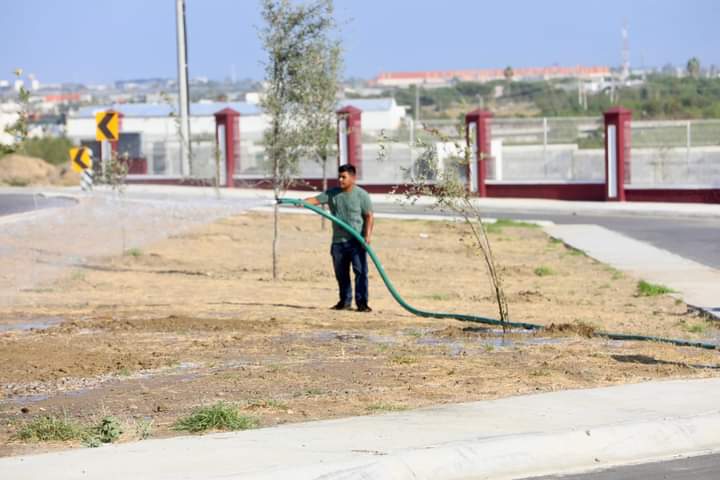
{"points": [[473, 318]]}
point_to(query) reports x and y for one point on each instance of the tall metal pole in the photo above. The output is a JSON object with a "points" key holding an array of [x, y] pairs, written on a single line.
{"points": [[417, 103], [183, 91]]}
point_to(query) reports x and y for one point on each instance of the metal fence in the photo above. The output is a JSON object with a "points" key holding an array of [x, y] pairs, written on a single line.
{"points": [[540, 150], [675, 153], [252, 164], [526, 150]]}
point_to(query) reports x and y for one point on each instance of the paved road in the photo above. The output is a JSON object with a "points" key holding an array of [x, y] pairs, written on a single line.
{"points": [[693, 238], [696, 468], [22, 202]]}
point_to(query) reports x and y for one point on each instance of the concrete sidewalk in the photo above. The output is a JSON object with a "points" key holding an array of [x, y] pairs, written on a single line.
{"points": [[697, 284], [500, 439], [521, 205]]}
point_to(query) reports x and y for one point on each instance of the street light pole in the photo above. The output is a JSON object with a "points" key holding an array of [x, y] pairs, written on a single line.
{"points": [[183, 91]]}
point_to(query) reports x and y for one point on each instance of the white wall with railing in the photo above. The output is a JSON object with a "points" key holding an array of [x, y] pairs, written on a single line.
{"points": [[675, 153]]}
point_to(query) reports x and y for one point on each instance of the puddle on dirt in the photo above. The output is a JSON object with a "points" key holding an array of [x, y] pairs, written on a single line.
{"points": [[345, 337], [28, 399], [485, 338], [182, 372], [37, 323]]}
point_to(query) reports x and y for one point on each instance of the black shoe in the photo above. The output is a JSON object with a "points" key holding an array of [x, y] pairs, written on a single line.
{"points": [[341, 306], [364, 307]]}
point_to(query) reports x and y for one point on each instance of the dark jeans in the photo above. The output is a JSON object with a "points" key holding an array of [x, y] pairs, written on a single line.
{"points": [[344, 255]]}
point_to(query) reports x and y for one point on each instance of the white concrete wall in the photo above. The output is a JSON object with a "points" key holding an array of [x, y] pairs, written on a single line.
{"points": [[675, 166], [562, 163]]}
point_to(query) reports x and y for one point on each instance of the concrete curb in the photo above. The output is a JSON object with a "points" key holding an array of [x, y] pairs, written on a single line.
{"points": [[510, 438], [531, 455], [526, 206]]}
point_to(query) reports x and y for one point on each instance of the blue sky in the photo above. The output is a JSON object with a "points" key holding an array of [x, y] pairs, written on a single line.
{"points": [[103, 40]]}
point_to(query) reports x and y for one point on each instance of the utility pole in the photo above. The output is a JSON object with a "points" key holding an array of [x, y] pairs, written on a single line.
{"points": [[579, 91], [417, 104], [625, 53], [183, 90]]}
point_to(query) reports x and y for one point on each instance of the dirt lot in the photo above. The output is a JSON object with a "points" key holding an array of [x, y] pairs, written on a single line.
{"points": [[197, 318]]}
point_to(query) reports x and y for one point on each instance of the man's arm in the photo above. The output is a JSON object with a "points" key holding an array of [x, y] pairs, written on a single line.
{"points": [[368, 226], [313, 201]]}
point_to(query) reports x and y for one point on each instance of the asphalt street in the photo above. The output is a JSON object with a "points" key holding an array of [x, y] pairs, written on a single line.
{"points": [[11, 203], [695, 468], [695, 238]]}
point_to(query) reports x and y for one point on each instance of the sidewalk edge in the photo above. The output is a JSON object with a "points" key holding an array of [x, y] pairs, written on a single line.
{"points": [[532, 455]]}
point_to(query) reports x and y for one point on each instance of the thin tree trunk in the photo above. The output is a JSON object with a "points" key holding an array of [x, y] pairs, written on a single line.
{"points": [[484, 243], [275, 241], [277, 182]]}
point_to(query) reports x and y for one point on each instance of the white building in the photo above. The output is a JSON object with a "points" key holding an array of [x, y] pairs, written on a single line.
{"points": [[8, 116], [377, 113]]}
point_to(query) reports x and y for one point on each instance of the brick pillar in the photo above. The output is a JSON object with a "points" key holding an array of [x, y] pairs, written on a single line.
{"points": [[227, 137], [477, 136], [349, 129], [617, 152]]}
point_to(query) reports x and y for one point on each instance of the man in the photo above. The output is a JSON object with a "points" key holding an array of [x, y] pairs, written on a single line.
{"points": [[351, 204]]}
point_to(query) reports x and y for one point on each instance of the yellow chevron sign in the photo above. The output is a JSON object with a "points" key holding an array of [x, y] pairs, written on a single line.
{"points": [[107, 126], [80, 159]]}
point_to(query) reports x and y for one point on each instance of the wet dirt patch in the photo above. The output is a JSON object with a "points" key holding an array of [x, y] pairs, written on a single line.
{"points": [[22, 324]]}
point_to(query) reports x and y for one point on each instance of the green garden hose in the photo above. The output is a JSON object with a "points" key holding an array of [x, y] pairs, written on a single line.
{"points": [[472, 318]]}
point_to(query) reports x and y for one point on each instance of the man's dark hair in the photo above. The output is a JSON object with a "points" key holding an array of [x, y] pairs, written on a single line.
{"points": [[347, 168]]}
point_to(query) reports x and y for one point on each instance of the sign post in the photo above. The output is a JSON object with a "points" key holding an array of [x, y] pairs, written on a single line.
{"points": [[81, 162], [107, 132]]}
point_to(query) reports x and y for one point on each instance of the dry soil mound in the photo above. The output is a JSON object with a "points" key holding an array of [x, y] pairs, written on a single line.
{"points": [[21, 170]]}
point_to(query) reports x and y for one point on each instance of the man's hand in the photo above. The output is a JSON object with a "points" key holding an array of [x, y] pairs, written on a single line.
{"points": [[367, 239]]}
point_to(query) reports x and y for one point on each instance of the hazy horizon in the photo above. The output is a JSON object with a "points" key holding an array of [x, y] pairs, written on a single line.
{"points": [[101, 41]]}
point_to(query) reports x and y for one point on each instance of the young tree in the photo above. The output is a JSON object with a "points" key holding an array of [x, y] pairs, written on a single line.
{"points": [[441, 182], [19, 129], [693, 67], [291, 35], [508, 73], [319, 117]]}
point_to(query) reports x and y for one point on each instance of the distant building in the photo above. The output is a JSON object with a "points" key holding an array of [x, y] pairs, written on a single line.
{"points": [[9, 112], [447, 77], [150, 132], [157, 119]]}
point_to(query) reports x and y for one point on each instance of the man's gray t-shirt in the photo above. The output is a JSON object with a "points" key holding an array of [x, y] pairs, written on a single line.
{"points": [[349, 207]]}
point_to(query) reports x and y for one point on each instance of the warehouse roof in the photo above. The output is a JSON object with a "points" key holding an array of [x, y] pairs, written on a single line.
{"points": [[164, 110], [206, 109]]}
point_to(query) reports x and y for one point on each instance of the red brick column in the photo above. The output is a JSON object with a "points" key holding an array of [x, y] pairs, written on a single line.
{"points": [[617, 152], [228, 120], [349, 129], [477, 136]]}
